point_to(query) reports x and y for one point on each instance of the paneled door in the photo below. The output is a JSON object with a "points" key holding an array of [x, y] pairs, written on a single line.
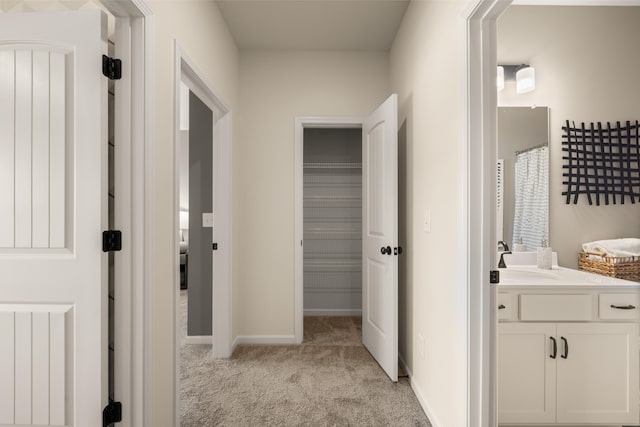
{"points": [[53, 209], [380, 235]]}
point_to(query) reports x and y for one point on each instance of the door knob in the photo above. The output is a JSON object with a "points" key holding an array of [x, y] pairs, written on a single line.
{"points": [[385, 250]]}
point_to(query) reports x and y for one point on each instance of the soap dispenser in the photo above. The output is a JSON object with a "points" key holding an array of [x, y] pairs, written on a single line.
{"points": [[544, 255], [519, 246]]}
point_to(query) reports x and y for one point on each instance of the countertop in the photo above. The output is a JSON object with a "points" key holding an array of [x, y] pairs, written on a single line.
{"points": [[558, 277]]}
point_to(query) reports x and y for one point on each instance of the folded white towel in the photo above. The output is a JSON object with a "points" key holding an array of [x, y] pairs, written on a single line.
{"points": [[615, 247]]}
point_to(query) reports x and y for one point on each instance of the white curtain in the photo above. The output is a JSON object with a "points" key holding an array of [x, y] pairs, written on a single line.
{"points": [[531, 219]]}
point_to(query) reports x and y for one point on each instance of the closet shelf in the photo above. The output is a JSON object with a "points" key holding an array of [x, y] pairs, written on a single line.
{"points": [[332, 198], [333, 165]]}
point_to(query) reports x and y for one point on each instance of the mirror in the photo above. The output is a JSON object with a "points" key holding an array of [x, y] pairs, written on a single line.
{"points": [[523, 177]]}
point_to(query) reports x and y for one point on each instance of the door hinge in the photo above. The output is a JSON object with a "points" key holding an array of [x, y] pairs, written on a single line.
{"points": [[111, 68], [112, 413], [111, 241], [494, 276], [214, 246]]}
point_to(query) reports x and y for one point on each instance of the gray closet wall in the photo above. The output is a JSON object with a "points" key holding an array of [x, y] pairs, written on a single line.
{"points": [[332, 221], [200, 263]]}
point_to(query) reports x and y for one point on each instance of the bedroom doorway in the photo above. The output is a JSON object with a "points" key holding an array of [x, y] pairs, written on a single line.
{"points": [[196, 218], [202, 215]]}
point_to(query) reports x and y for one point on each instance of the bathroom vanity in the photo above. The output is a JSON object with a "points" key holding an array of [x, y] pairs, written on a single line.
{"points": [[568, 344]]}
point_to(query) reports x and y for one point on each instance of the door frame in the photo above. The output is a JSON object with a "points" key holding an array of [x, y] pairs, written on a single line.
{"points": [[479, 148], [302, 123], [479, 31], [134, 35], [187, 72]]}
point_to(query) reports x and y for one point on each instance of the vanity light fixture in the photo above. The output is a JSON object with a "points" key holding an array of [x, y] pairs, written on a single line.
{"points": [[525, 80], [523, 74]]}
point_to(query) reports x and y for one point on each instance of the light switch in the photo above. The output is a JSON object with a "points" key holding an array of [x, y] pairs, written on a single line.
{"points": [[207, 219], [427, 220]]}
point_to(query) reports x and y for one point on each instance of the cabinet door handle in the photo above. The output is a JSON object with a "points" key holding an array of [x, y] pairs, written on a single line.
{"points": [[566, 348], [555, 348], [624, 307], [502, 307]]}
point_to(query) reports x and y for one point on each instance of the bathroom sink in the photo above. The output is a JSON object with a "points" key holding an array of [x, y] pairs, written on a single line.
{"points": [[526, 275]]}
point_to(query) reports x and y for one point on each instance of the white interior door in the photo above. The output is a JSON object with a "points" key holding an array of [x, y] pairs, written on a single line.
{"points": [[53, 208], [380, 235]]}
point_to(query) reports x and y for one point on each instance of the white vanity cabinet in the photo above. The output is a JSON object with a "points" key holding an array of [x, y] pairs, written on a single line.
{"points": [[526, 373], [565, 356], [597, 382]]}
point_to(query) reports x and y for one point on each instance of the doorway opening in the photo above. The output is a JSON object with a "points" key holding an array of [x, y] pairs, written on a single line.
{"points": [[323, 144], [332, 223], [196, 173], [202, 215], [378, 230]]}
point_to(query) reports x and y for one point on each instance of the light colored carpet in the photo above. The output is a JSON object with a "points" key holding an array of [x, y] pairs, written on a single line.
{"points": [[330, 380]]}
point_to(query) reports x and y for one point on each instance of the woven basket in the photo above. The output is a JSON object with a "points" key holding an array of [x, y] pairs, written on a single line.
{"points": [[627, 268]]}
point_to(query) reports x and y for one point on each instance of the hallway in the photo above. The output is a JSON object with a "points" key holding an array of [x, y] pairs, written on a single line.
{"points": [[330, 379]]}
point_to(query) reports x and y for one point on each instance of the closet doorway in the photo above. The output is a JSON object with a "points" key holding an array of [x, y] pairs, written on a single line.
{"points": [[328, 189], [332, 222], [332, 237]]}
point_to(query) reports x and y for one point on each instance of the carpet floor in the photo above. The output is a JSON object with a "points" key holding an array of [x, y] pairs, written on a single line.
{"points": [[329, 380]]}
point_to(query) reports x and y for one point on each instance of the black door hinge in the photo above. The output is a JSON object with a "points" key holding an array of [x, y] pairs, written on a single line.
{"points": [[111, 68], [112, 413], [494, 276], [214, 246], [111, 241]]}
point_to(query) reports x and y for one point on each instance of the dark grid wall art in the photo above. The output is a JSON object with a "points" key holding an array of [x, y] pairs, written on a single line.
{"points": [[601, 163]]}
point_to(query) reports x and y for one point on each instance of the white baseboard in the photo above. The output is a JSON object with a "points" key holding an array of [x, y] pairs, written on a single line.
{"points": [[263, 339], [321, 312], [423, 403], [198, 339], [404, 365]]}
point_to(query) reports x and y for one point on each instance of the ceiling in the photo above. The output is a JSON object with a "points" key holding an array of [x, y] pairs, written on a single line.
{"points": [[314, 24]]}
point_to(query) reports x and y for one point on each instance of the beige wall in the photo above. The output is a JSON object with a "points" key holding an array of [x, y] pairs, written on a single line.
{"points": [[426, 72], [200, 30], [586, 71], [275, 87]]}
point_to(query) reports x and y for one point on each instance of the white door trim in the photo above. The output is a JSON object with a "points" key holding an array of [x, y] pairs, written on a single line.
{"points": [[186, 71], [479, 148], [134, 215], [327, 122]]}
